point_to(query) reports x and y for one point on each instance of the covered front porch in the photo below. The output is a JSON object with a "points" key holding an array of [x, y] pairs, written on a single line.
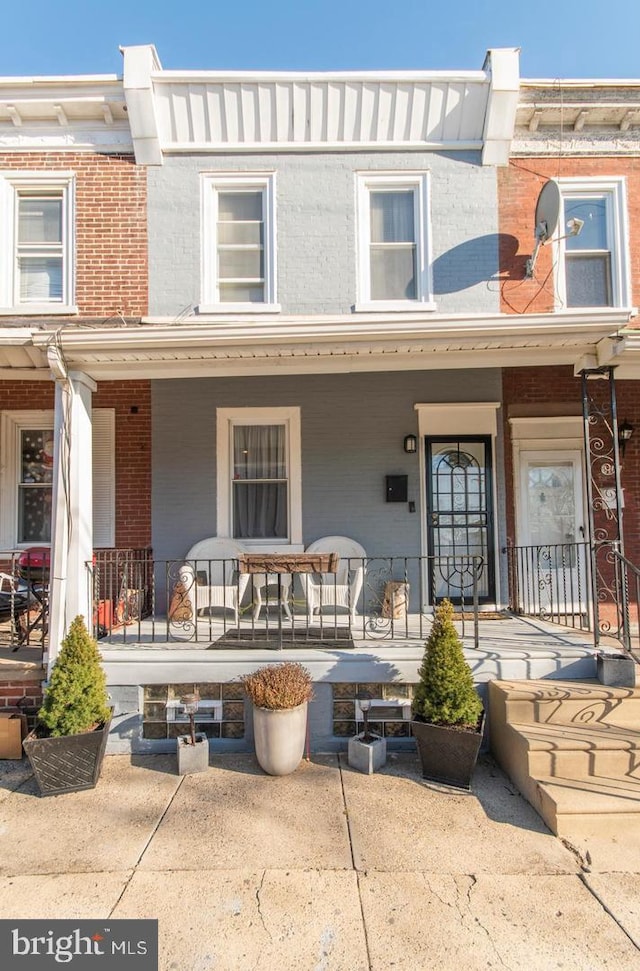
{"points": [[152, 659]]}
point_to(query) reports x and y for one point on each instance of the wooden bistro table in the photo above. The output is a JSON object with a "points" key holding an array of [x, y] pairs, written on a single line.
{"points": [[267, 568]]}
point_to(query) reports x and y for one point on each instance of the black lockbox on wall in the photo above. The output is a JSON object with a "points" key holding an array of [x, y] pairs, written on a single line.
{"points": [[396, 488]]}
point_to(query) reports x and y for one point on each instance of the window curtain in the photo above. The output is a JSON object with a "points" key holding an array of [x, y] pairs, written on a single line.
{"points": [[260, 508], [392, 217], [393, 249]]}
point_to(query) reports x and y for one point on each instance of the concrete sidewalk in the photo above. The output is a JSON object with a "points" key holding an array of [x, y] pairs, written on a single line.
{"points": [[323, 870]]}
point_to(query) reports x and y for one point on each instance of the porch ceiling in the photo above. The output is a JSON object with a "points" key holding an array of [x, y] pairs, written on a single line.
{"points": [[166, 349]]}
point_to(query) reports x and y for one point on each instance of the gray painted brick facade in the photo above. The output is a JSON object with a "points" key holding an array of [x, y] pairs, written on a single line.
{"points": [[352, 429], [317, 227]]}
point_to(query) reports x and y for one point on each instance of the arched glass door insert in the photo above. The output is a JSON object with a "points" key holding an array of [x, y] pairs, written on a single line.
{"points": [[460, 518]]}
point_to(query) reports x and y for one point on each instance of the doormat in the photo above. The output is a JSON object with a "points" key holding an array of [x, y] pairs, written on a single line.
{"points": [[300, 638]]}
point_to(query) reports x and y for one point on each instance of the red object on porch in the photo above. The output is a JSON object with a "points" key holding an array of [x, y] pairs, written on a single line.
{"points": [[104, 615], [34, 563]]}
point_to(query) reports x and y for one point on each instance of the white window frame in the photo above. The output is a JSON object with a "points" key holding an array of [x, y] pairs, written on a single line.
{"points": [[211, 185], [226, 418], [12, 424], [11, 184], [419, 184], [614, 192]]}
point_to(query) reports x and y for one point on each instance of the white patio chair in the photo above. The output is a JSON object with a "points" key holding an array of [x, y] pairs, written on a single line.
{"points": [[210, 575], [341, 589]]}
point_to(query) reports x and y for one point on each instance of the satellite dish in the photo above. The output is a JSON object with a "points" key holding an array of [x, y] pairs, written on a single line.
{"points": [[547, 215], [547, 211]]}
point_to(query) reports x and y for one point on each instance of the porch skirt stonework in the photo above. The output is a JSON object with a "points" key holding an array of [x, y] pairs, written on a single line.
{"points": [[232, 725], [344, 709], [156, 696]]}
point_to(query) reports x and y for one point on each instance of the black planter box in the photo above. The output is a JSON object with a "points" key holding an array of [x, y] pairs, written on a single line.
{"points": [[448, 755], [70, 763]]}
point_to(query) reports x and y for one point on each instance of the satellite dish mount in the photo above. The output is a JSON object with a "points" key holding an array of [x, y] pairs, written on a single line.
{"points": [[547, 215]]}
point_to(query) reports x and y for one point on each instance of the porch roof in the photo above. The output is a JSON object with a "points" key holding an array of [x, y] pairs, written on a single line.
{"points": [[160, 348]]}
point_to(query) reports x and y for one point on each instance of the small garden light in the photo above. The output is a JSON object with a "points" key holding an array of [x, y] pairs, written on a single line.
{"points": [[189, 704], [365, 705]]}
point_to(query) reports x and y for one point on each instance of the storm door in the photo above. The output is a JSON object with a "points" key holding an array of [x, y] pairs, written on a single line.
{"points": [[460, 518], [552, 567]]}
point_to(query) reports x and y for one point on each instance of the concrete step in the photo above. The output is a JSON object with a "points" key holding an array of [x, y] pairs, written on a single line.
{"points": [[578, 751], [589, 808], [564, 702], [573, 750]]}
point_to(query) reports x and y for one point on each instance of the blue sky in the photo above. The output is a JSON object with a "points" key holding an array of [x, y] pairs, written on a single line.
{"points": [[568, 38]]}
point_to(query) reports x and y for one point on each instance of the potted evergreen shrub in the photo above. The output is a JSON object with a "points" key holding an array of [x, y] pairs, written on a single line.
{"points": [[280, 694], [448, 716], [67, 746]]}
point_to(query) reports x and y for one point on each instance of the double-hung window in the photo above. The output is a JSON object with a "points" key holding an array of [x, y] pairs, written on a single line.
{"points": [[26, 438], [259, 475], [393, 219], [238, 233], [36, 272], [593, 264]]}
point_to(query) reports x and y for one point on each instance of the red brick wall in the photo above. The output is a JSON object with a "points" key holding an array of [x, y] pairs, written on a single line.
{"points": [[111, 228], [552, 388], [519, 185], [26, 691], [533, 386], [133, 445]]}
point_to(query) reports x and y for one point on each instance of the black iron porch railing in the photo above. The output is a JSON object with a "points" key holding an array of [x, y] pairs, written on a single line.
{"points": [[214, 603], [552, 582], [24, 598], [627, 581], [120, 585]]}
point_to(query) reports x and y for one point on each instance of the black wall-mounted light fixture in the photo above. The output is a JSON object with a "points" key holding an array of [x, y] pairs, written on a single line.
{"points": [[625, 431], [410, 444]]}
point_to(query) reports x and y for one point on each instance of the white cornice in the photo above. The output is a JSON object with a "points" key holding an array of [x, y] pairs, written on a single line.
{"points": [[40, 114], [179, 111], [367, 325], [627, 361]]}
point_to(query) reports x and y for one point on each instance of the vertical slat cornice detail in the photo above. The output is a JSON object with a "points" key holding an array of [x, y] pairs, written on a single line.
{"points": [[336, 111]]}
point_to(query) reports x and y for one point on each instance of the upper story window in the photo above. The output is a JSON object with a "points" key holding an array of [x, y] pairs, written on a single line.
{"points": [[36, 270], [393, 218], [593, 268], [238, 234], [259, 475]]}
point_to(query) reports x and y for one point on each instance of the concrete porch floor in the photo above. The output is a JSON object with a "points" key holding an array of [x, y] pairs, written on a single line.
{"points": [[514, 647], [510, 648]]}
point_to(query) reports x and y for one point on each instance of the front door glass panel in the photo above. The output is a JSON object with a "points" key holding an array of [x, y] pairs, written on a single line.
{"points": [[460, 517]]}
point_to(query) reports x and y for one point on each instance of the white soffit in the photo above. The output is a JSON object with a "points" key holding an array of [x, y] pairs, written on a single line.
{"points": [[63, 112], [296, 346], [189, 111], [581, 116]]}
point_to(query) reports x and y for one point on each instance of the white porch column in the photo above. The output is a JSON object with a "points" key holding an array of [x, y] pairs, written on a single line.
{"points": [[72, 526]]}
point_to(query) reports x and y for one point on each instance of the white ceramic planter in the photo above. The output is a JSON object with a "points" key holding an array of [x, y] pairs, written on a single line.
{"points": [[279, 738]]}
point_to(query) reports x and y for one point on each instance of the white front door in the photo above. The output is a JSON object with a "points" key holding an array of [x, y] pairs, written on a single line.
{"points": [[552, 575]]}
